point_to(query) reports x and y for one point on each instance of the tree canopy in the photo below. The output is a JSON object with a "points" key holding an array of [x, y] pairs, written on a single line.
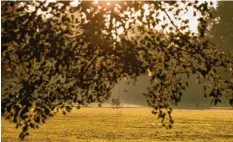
{"points": [[55, 55]]}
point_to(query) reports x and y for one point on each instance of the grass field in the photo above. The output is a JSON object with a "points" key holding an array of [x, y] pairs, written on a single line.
{"points": [[129, 124]]}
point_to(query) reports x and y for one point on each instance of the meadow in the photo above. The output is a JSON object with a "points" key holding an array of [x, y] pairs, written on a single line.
{"points": [[129, 125]]}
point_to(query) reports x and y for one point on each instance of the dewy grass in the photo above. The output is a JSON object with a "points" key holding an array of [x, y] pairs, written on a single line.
{"points": [[129, 125]]}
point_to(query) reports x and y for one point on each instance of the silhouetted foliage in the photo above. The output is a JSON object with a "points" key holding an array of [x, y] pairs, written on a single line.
{"points": [[231, 102], [56, 56]]}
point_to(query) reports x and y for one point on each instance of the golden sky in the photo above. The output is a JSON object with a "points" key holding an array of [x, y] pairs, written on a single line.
{"points": [[187, 15]]}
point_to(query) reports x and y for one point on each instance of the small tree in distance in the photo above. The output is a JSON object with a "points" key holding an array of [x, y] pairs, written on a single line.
{"points": [[55, 55]]}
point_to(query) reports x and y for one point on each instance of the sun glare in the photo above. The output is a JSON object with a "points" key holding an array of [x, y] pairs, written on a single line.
{"points": [[96, 1], [52, 1], [193, 20], [133, 14], [74, 3]]}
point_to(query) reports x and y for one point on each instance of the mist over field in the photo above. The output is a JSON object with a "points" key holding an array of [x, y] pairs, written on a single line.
{"points": [[133, 94]]}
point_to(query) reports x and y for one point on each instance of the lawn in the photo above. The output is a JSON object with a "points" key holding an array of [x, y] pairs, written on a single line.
{"points": [[129, 124]]}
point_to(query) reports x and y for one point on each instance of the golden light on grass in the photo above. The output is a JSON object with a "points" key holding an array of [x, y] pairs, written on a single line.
{"points": [[129, 124]]}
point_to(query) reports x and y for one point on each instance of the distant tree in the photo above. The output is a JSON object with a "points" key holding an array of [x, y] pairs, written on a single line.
{"points": [[222, 34], [222, 30], [56, 55]]}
